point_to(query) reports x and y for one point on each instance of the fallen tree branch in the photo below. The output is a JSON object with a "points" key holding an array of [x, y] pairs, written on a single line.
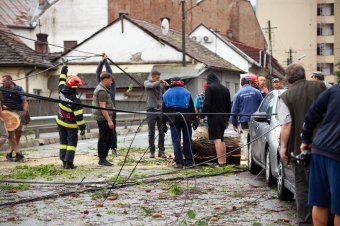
{"points": [[116, 186]]}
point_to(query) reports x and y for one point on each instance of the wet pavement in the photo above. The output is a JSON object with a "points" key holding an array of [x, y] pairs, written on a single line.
{"points": [[237, 198]]}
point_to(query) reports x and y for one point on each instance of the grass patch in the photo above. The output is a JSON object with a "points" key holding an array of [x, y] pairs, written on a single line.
{"points": [[29, 172], [48, 172], [20, 186], [98, 194], [147, 211], [175, 189], [207, 170]]}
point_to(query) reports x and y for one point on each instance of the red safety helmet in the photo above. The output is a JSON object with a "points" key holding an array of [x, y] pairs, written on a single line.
{"points": [[74, 82], [253, 78]]}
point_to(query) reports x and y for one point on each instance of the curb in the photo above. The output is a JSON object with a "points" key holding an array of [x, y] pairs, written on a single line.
{"points": [[46, 141]]}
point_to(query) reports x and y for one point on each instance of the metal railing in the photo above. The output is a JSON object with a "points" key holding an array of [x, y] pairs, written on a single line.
{"points": [[40, 123]]}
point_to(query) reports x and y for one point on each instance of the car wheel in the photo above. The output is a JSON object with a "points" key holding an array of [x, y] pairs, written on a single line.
{"points": [[282, 192], [270, 179], [252, 166]]}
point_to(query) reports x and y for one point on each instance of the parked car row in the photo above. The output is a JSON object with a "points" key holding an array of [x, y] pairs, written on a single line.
{"points": [[264, 151]]}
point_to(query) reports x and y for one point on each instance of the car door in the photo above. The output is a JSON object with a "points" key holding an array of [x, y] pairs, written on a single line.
{"points": [[264, 126]]}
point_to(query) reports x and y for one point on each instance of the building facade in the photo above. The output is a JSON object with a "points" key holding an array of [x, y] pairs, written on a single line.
{"points": [[311, 31], [235, 18]]}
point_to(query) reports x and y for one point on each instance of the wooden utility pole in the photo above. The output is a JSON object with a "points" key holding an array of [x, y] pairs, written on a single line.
{"points": [[269, 28], [290, 56]]}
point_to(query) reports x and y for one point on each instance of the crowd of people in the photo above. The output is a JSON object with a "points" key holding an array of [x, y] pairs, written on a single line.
{"points": [[306, 107]]}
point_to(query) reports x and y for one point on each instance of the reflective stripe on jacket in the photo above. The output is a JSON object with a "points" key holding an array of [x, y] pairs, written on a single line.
{"points": [[69, 115]]}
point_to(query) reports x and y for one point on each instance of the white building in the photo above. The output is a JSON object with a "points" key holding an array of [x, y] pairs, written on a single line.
{"points": [[247, 58], [67, 22], [219, 45], [140, 47]]}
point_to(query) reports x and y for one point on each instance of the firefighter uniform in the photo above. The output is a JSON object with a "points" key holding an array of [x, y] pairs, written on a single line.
{"points": [[70, 118]]}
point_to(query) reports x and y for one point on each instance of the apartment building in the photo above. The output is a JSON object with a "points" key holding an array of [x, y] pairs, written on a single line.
{"points": [[310, 28]]}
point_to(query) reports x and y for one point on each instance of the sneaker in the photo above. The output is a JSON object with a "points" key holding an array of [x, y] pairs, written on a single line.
{"points": [[216, 165], [19, 157], [178, 166], [104, 162], [114, 152], [9, 156], [69, 165], [162, 155], [152, 155]]}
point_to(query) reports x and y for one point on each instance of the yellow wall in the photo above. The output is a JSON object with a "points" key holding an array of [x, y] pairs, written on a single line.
{"points": [[34, 82]]}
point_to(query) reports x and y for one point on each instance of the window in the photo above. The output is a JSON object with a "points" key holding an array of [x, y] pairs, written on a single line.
{"points": [[37, 92], [69, 45], [325, 29], [325, 9], [326, 68], [237, 87], [325, 49], [267, 104]]}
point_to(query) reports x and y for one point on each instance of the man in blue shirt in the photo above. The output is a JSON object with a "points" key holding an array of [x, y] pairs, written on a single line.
{"points": [[176, 100], [246, 101]]}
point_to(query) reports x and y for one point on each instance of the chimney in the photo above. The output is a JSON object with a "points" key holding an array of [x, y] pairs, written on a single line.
{"points": [[41, 2], [41, 43]]}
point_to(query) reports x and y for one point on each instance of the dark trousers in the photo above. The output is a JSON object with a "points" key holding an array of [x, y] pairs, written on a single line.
{"points": [[153, 120], [114, 140], [304, 212], [68, 143], [105, 139], [176, 132]]}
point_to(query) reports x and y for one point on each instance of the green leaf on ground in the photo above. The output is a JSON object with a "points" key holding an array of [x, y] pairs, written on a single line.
{"points": [[191, 214], [201, 223]]}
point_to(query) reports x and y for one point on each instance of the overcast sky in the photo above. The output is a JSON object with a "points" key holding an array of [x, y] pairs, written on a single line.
{"points": [[253, 2]]}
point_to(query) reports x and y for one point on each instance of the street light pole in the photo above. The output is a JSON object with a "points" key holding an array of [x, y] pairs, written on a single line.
{"points": [[183, 33]]}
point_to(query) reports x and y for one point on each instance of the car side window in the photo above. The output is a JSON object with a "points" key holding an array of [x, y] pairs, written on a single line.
{"points": [[267, 104]]}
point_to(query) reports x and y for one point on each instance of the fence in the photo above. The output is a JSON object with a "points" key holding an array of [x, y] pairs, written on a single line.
{"points": [[48, 123]]}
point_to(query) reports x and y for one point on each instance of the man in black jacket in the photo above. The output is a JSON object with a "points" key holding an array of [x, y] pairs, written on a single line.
{"points": [[217, 100], [324, 180]]}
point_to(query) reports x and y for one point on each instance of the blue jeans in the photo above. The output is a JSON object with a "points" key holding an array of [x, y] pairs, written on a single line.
{"points": [[176, 130]]}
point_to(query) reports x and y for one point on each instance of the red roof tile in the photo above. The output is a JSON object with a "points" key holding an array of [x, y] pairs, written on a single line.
{"points": [[16, 12], [14, 53]]}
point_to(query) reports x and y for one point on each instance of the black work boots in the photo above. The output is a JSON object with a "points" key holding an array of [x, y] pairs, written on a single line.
{"points": [[69, 165]]}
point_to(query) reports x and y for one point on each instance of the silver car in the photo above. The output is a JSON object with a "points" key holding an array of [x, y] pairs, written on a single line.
{"points": [[263, 152]]}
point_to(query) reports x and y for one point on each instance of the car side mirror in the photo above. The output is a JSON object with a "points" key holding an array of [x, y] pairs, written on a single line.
{"points": [[261, 117]]}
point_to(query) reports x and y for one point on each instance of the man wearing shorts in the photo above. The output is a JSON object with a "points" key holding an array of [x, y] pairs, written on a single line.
{"points": [[324, 178], [18, 104], [217, 100]]}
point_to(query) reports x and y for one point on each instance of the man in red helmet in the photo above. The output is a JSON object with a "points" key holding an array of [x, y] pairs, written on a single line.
{"points": [[70, 118]]}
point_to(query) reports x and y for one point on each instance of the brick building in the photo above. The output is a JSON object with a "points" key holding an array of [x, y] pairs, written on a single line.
{"points": [[235, 18]]}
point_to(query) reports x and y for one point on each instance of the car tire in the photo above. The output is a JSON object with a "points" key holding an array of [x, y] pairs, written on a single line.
{"points": [[270, 179], [282, 192], [252, 166]]}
